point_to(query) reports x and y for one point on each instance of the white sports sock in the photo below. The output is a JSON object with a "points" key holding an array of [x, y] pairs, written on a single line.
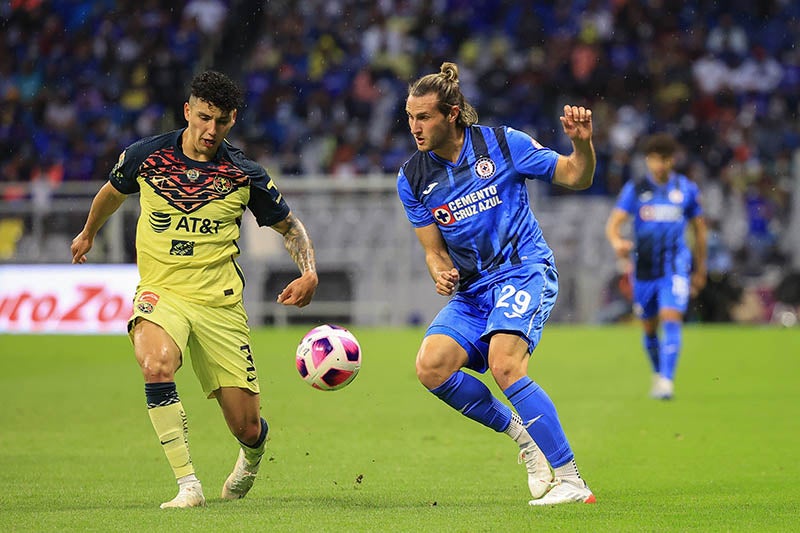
{"points": [[569, 470], [516, 430], [185, 480]]}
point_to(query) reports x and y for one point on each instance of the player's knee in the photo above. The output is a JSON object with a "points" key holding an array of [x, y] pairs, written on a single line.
{"points": [[670, 315], [158, 367], [433, 369], [427, 375], [507, 370]]}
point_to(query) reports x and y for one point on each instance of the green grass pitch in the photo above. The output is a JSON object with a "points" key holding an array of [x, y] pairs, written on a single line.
{"points": [[77, 452]]}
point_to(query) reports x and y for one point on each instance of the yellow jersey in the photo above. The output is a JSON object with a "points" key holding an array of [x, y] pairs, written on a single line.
{"points": [[191, 214]]}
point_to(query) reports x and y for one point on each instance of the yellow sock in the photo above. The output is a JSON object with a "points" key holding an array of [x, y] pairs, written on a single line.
{"points": [[254, 453], [170, 424]]}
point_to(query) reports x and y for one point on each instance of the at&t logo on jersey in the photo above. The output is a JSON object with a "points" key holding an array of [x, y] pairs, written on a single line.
{"points": [[159, 221], [466, 206]]}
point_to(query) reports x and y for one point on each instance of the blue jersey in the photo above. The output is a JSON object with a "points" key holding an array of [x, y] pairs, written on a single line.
{"points": [[660, 213], [480, 203]]}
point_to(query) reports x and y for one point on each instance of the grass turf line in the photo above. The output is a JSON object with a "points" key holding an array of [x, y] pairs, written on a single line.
{"points": [[77, 451]]}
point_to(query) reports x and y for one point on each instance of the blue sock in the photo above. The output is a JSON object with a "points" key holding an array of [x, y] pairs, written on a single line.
{"points": [[261, 437], [160, 394], [532, 403], [670, 349], [651, 347], [472, 398]]}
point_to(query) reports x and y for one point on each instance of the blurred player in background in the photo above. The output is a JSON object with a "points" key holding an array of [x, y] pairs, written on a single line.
{"points": [[194, 187], [662, 204], [465, 194]]}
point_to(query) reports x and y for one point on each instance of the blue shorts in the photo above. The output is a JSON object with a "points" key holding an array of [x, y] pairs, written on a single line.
{"points": [[669, 292], [517, 300]]}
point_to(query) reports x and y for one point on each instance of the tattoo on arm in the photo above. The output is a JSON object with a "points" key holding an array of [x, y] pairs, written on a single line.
{"points": [[298, 244]]}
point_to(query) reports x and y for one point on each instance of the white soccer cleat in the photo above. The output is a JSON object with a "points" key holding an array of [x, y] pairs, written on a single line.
{"points": [[663, 388], [241, 479], [654, 384], [566, 491], [189, 495], [540, 475]]}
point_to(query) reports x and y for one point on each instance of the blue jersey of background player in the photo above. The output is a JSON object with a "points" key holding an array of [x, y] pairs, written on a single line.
{"points": [[667, 272], [464, 192]]}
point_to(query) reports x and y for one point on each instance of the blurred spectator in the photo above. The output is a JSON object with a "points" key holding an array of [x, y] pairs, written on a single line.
{"points": [[728, 37], [762, 239], [325, 81], [77, 77], [711, 74], [720, 258], [758, 73], [210, 15]]}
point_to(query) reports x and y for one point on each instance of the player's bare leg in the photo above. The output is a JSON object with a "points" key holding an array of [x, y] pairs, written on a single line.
{"points": [[240, 408], [159, 358]]}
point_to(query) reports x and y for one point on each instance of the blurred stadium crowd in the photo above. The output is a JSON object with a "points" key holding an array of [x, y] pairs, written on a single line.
{"points": [[325, 82]]}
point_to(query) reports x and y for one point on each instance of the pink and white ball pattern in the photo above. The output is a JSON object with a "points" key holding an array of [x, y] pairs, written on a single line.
{"points": [[328, 357]]}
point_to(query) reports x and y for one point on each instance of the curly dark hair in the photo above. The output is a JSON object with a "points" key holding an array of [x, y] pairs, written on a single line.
{"points": [[217, 89], [662, 144]]}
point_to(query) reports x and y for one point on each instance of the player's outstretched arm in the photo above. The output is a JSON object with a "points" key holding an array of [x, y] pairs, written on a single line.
{"points": [[105, 203], [440, 265], [576, 171], [297, 242], [622, 246]]}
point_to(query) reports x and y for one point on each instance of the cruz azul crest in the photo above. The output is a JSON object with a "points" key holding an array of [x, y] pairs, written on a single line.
{"points": [[484, 167]]}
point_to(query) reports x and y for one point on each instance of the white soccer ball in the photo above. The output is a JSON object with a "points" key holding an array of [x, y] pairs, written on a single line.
{"points": [[328, 357]]}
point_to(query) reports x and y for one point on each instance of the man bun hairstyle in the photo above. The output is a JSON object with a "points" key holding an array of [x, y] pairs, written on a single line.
{"points": [[662, 144], [445, 85], [217, 89]]}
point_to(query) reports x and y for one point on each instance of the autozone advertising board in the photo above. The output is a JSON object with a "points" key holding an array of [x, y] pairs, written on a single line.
{"points": [[66, 298]]}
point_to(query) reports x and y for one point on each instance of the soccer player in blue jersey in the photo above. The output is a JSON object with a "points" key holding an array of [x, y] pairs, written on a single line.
{"points": [[465, 194], [193, 189], [666, 271]]}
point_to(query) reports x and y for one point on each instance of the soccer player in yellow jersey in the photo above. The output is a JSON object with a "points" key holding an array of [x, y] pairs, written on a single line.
{"points": [[193, 190]]}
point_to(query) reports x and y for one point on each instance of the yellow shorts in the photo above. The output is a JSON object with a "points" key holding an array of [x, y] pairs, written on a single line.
{"points": [[217, 338]]}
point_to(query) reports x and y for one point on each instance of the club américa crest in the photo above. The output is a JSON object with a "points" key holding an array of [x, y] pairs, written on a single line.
{"points": [[222, 184], [484, 167]]}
